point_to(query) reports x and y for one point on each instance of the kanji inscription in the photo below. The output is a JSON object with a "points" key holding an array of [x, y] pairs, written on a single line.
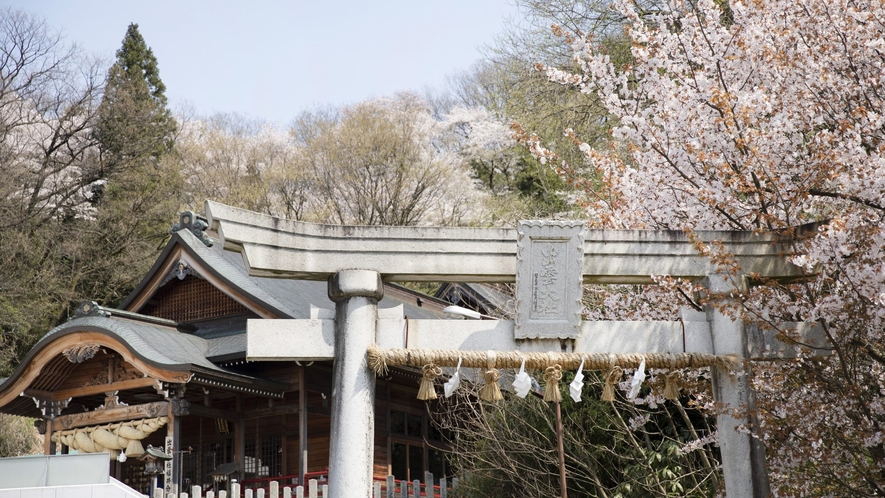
{"points": [[548, 279]]}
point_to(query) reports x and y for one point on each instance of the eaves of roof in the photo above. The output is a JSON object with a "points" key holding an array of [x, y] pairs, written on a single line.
{"points": [[160, 347]]}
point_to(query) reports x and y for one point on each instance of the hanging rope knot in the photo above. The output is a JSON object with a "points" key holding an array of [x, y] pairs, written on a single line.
{"points": [[552, 375], [672, 381], [377, 360], [671, 386], [431, 372], [611, 378], [491, 391]]}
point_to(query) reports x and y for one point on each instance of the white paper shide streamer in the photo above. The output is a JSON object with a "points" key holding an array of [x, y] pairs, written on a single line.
{"points": [[636, 383], [522, 384], [454, 382], [574, 388]]}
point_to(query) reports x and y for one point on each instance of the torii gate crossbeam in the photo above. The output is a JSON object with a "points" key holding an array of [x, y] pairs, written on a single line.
{"points": [[273, 247]]}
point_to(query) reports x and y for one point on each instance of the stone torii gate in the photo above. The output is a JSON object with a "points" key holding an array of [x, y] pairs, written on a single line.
{"points": [[549, 261]]}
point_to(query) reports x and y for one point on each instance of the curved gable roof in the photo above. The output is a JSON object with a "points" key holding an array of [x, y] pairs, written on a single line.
{"points": [[157, 351]]}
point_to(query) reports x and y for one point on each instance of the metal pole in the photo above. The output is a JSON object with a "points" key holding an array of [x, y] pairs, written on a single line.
{"points": [[559, 443]]}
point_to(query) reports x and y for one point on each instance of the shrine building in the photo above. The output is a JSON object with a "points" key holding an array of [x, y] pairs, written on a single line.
{"points": [[169, 369]]}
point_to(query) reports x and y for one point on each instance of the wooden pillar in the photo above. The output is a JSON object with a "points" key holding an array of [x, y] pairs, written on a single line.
{"points": [[50, 409], [284, 445], [178, 408], [302, 425], [173, 438], [48, 445], [240, 439]]}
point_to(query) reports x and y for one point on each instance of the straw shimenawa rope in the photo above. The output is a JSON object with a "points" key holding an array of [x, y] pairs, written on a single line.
{"points": [[380, 360], [430, 361]]}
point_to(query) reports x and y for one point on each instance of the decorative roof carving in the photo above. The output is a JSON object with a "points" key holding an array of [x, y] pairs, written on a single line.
{"points": [[97, 380], [111, 400], [51, 408], [195, 224], [180, 271], [79, 354], [121, 373]]}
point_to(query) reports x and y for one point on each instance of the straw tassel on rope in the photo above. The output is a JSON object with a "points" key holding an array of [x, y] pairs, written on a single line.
{"points": [[426, 391], [671, 385], [491, 391], [671, 382], [552, 375], [611, 378]]}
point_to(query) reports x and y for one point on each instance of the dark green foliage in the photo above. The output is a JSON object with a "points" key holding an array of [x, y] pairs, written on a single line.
{"points": [[134, 123], [135, 132]]}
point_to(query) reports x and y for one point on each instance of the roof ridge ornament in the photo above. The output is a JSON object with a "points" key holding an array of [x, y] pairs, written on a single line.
{"points": [[194, 223], [90, 308]]}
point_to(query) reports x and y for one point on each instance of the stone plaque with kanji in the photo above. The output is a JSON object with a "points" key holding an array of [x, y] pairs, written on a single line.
{"points": [[548, 279]]}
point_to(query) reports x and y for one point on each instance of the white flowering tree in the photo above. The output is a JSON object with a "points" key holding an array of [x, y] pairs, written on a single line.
{"points": [[72, 224], [767, 116], [239, 160]]}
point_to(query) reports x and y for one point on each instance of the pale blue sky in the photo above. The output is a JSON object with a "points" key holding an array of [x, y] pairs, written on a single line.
{"points": [[273, 59]]}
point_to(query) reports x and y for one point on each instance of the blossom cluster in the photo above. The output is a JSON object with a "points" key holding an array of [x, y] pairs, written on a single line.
{"points": [[765, 117]]}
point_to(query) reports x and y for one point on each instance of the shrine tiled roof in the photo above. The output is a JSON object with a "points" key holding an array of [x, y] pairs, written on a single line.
{"points": [[160, 346], [285, 297]]}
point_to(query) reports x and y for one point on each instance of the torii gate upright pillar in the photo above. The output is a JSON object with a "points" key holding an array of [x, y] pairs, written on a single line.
{"points": [[743, 455], [356, 294]]}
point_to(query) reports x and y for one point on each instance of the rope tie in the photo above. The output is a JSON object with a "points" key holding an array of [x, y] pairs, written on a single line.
{"points": [[552, 375], [377, 361], [431, 372], [491, 391], [672, 381], [611, 378]]}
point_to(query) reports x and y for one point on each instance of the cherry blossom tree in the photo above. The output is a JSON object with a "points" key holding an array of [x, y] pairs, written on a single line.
{"points": [[765, 116]]}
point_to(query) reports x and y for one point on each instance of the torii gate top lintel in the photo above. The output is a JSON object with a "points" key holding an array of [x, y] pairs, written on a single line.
{"points": [[274, 247]]}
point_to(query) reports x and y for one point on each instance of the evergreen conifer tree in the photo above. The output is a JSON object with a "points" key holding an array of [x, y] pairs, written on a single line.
{"points": [[134, 121], [135, 132]]}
